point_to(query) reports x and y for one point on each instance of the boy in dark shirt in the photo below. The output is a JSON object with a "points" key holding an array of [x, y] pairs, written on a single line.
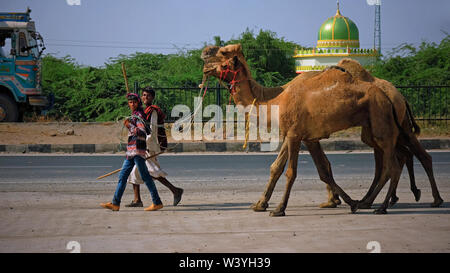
{"points": [[135, 155]]}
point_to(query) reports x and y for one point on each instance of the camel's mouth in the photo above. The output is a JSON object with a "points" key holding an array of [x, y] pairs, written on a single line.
{"points": [[209, 69]]}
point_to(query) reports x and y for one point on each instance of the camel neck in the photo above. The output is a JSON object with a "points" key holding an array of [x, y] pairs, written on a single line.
{"points": [[247, 91], [243, 94]]}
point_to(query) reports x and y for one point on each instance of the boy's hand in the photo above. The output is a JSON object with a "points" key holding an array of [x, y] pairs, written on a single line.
{"points": [[126, 122]]}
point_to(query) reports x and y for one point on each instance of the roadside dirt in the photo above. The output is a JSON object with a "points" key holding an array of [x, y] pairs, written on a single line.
{"points": [[112, 132], [85, 133], [61, 133]]}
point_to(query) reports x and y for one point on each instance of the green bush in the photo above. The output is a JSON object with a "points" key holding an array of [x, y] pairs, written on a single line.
{"points": [[98, 94]]}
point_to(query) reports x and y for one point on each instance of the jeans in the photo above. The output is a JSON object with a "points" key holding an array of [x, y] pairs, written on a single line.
{"points": [[127, 167]]}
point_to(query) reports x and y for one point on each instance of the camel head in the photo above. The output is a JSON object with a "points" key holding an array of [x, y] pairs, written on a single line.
{"points": [[210, 59], [226, 63]]}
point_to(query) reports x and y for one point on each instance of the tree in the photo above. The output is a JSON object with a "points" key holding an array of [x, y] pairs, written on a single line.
{"points": [[427, 64], [98, 94], [270, 58]]}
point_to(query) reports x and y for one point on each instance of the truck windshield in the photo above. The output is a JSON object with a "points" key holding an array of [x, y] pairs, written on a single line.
{"points": [[5, 48], [34, 47]]}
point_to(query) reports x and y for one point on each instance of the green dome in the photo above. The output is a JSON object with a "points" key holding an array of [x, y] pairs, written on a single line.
{"points": [[338, 31]]}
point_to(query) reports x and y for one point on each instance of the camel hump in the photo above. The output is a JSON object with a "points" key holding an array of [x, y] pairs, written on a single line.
{"points": [[335, 67], [333, 73], [355, 69]]}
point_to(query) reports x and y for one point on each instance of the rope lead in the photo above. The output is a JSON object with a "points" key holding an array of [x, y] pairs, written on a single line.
{"points": [[247, 125]]}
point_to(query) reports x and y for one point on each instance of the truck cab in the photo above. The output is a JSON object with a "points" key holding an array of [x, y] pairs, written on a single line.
{"points": [[20, 66]]}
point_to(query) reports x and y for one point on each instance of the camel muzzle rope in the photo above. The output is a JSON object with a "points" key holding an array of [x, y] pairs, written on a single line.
{"points": [[232, 89]]}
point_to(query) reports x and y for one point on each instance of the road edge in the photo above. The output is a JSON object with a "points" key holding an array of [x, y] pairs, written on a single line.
{"points": [[199, 147]]}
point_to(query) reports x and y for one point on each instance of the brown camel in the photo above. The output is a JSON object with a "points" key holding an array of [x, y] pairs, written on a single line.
{"points": [[406, 147], [312, 109], [404, 153]]}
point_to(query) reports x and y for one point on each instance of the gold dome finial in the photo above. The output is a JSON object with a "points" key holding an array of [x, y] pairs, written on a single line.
{"points": [[338, 12]]}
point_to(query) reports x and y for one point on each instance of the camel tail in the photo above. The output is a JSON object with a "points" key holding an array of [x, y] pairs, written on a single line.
{"points": [[412, 120], [394, 113], [400, 128]]}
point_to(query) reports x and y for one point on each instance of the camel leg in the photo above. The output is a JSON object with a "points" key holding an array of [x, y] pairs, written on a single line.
{"points": [[378, 154], [333, 199], [426, 161], [412, 179], [395, 177], [276, 169], [402, 155], [325, 173], [324, 168], [389, 169], [291, 173], [405, 156], [367, 138]]}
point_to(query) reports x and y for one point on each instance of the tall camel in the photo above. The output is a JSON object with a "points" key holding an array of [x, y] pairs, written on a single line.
{"points": [[404, 155], [312, 109], [406, 146]]}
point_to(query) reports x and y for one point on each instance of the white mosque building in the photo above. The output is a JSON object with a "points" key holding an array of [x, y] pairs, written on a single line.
{"points": [[338, 38]]}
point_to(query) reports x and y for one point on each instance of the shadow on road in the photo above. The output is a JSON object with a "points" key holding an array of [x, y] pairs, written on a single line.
{"points": [[217, 206], [411, 208], [399, 208]]}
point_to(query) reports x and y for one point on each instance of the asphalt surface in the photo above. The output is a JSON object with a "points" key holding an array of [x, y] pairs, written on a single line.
{"points": [[48, 203], [349, 169]]}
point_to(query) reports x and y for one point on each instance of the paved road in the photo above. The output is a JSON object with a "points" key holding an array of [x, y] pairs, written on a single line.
{"points": [[350, 169], [48, 201]]}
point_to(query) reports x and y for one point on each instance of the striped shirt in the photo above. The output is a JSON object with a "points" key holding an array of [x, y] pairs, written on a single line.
{"points": [[136, 136]]}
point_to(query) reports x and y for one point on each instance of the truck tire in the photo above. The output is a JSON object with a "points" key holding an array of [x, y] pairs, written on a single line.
{"points": [[9, 111]]}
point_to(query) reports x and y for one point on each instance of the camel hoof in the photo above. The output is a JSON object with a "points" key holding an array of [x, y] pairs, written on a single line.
{"points": [[364, 205], [437, 203], [354, 207], [259, 206], [328, 205], [277, 213], [417, 194], [380, 211], [394, 200], [337, 201]]}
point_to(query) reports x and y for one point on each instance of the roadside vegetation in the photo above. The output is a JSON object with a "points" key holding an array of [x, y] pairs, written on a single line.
{"points": [[84, 93]]}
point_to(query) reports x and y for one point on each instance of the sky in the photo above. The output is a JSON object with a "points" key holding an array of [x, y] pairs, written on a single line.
{"points": [[92, 31]]}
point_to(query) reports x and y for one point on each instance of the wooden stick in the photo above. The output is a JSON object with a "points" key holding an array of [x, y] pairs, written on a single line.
{"points": [[118, 170], [108, 174], [125, 77]]}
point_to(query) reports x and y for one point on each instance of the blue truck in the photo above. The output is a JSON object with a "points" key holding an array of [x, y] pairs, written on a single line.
{"points": [[21, 48]]}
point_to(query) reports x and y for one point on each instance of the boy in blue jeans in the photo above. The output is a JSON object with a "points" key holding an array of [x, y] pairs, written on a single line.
{"points": [[136, 150]]}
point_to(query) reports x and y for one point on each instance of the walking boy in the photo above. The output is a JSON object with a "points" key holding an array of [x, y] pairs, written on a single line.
{"points": [[135, 155], [155, 142]]}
